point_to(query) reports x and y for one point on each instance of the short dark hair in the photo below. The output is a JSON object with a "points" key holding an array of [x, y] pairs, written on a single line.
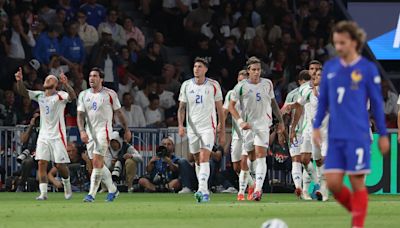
{"points": [[126, 94], [304, 75], [355, 32], [112, 10], [99, 70], [201, 60], [153, 97]]}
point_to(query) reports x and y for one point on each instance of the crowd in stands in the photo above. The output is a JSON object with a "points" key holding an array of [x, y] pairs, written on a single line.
{"points": [[72, 36]]}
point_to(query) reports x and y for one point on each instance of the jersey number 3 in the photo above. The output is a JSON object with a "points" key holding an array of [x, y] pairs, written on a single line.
{"points": [[340, 91]]}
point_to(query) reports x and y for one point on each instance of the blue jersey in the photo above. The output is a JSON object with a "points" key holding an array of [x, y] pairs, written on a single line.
{"points": [[344, 92]]}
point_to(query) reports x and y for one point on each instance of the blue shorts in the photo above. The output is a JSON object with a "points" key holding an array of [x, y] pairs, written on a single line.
{"points": [[348, 156]]}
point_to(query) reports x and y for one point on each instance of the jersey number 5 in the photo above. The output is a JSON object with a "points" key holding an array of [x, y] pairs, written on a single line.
{"points": [[258, 97], [340, 91]]}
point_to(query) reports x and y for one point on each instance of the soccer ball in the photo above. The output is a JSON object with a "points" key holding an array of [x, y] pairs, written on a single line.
{"points": [[274, 223]]}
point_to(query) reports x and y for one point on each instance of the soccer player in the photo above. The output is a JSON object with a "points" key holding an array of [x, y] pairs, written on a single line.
{"points": [[348, 81], [319, 151], [291, 99], [198, 99], [237, 154], [51, 142], [96, 107], [257, 101]]}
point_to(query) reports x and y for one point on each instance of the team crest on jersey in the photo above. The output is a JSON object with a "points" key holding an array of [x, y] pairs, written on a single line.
{"points": [[356, 77]]}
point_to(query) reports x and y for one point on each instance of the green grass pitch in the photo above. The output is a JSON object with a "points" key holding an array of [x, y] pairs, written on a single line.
{"points": [[173, 210]]}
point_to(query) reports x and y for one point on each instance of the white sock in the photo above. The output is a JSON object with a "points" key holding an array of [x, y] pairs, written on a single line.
{"points": [[67, 186], [321, 177], [252, 166], [296, 174], [261, 171], [43, 189], [197, 169], [95, 180], [306, 181], [204, 174], [242, 181], [107, 180], [311, 172], [319, 174], [250, 180]]}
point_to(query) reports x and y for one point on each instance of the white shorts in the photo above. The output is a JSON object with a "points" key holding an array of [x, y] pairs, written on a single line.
{"points": [[204, 140], [295, 147], [98, 146], [52, 150], [236, 149], [254, 137], [306, 145]]}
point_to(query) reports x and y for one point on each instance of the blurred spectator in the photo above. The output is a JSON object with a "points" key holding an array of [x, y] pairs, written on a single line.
{"points": [[162, 170], [243, 33], [8, 110], [324, 13], [104, 55], [117, 31], [79, 82], [59, 20], [154, 116], [198, 17], [141, 97], [46, 13], [95, 13], [151, 63], [87, 32], [3, 12], [269, 31], [204, 50], [72, 47], [166, 97], [122, 159], [133, 113], [215, 30], [217, 181], [390, 102], [58, 64], [47, 45], [133, 32], [21, 42], [70, 11], [249, 13], [311, 29], [171, 114], [168, 73], [227, 14], [134, 50], [159, 39], [258, 48], [230, 61], [25, 112], [169, 21]]}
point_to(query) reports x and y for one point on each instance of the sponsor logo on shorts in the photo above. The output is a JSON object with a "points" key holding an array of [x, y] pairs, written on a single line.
{"points": [[360, 166]]}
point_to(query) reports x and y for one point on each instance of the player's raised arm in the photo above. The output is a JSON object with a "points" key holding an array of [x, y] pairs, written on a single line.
{"points": [[67, 86], [375, 96], [21, 89]]}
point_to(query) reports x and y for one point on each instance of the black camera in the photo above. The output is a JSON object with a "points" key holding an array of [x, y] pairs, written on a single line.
{"points": [[162, 151], [116, 171], [23, 155]]}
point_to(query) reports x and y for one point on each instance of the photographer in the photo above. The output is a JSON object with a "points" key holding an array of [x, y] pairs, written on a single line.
{"points": [[162, 170], [122, 159], [218, 181], [26, 157]]}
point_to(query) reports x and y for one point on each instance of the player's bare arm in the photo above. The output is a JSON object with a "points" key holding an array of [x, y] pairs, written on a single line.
{"points": [[235, 114], [81, 126], [221, 124], [297, 115], [181, 118], [67, 86], [122, 119], [21, 89], [278, 115]]}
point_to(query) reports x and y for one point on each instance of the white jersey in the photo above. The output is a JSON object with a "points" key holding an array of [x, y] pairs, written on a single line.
{"points": [[52, 123], [200, 104], [305, 92], [236, 134], [292, 98], [99, 108], [314, 108], [255, 102]]}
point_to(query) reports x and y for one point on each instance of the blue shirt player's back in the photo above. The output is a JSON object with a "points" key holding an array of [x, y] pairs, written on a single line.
{"points": [[345, 90]]}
